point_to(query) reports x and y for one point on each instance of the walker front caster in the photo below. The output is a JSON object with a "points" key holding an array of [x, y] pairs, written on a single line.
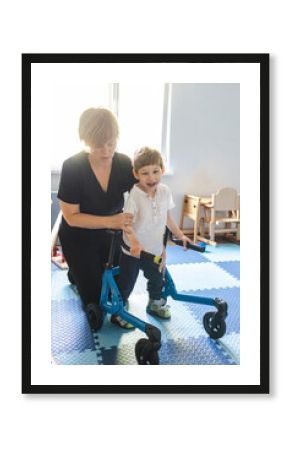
{"points": [[95, 316], [214, 325], [145, 352]]}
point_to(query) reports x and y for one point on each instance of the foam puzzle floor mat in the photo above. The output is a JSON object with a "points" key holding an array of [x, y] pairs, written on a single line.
{"points": [[213, 274]]}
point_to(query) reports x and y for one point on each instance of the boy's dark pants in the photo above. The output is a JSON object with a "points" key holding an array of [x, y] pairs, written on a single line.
{"points": [[129, 270]]}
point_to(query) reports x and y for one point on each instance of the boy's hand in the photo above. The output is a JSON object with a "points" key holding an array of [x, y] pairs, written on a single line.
{"points": [[136, 250], [185, 240], [120, 221]]}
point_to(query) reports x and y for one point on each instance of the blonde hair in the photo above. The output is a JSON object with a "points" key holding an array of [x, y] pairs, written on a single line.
{"points": [[97, 126], [147, 156]]}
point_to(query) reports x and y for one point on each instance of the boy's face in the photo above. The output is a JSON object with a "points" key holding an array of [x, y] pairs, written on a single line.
{"points": [[149, 177]]}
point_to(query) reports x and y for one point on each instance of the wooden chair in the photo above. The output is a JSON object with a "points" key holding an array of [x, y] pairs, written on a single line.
{"points": [[223, 214], [191, 209]]}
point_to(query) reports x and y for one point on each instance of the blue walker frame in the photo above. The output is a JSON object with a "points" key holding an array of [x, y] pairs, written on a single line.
{"points": [[146, 350]]}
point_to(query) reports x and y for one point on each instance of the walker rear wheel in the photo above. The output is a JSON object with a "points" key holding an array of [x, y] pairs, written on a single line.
{"points": [[95, 316], [145, 353], [214, 325]]}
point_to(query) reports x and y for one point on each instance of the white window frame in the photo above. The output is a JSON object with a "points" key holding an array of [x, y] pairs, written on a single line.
{"points": [[166, 119]]}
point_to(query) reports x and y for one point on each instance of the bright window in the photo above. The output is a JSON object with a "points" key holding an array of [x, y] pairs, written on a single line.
{"points": [[143, 112], [142, 116]]}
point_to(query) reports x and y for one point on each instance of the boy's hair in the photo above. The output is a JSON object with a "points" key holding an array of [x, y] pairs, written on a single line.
{"points": [[147, 156], [97, 126]]}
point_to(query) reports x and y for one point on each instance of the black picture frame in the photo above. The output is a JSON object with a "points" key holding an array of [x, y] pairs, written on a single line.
{"points": [[211, 59]]}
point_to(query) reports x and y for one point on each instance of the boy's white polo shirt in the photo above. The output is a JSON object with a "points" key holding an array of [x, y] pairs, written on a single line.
{"points": [[149, 216]]}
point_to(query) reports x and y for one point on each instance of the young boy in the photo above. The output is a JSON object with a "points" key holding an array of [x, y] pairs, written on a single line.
{"points": [[149, 203]]}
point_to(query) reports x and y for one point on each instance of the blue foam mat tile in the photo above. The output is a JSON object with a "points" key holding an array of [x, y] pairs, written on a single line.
{"points": [[61, 289], [222, 252], [201, 351], [122, 355], [200, 276], [86, 358], [70, 328], [229, 295], [111, 336], [232, 267], [231, 345], [176, 255], [205, 275]]}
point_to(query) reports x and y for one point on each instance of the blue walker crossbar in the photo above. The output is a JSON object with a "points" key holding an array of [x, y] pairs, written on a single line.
{"points": [[146, 350]]}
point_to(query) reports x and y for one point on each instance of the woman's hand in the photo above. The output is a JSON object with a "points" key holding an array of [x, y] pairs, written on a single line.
{"points": [[128, 220], [176, 231], [120, 221]]}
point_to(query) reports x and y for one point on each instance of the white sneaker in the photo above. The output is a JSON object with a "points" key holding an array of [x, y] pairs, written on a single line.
{"points": [[159, 308]]}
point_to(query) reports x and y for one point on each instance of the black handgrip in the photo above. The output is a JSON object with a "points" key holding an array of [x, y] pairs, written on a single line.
{"points": [[196, 247], [153, 258], [145, 255], [116, 235]]}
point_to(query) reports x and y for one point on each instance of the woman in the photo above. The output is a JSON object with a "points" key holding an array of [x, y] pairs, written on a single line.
{"points": [[91, 192]]}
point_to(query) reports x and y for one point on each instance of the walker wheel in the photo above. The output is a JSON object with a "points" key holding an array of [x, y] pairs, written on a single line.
{"points": [[214, 325], [95, 316], [145, 354]]}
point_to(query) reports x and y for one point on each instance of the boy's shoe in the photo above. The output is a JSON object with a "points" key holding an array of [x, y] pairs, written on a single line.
{"points": [[159, 308], [117, 320]]}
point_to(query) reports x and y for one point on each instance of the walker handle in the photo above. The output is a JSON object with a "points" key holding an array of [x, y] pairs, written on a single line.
{"points": [[196, 247], [116, 234], [145, 255]]}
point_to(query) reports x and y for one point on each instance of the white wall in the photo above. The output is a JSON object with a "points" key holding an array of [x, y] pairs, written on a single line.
{"points": [[205, 139]]}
